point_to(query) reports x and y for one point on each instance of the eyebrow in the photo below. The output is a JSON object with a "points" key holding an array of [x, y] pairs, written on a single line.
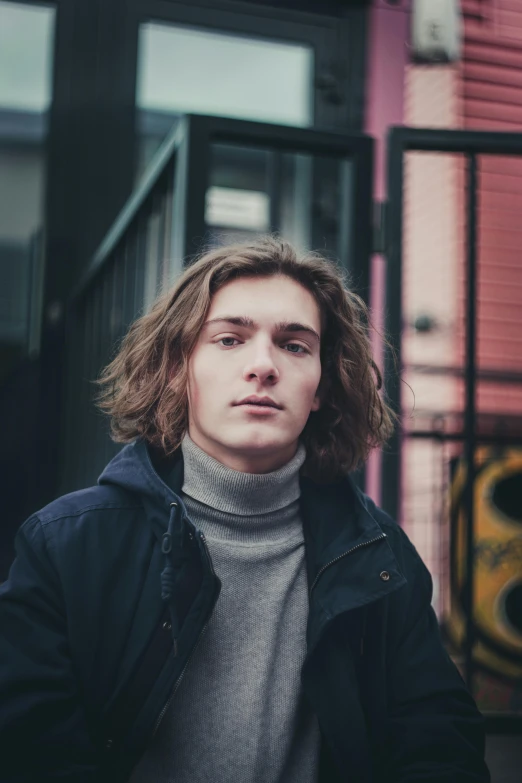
{"points": [[283, 327]]}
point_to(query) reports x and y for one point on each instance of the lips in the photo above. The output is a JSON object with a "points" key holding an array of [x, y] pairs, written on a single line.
{"points": [[262, 402], [253, 410]]}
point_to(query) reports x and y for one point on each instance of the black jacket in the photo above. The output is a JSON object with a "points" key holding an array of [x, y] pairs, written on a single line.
{"points": [[113, 586]]}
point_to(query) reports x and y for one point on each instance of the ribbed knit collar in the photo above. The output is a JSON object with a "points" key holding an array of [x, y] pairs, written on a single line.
{"points": [[231, 491]]}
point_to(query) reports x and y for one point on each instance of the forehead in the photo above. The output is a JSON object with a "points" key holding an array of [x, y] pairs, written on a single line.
{"points": [[266, 299]]}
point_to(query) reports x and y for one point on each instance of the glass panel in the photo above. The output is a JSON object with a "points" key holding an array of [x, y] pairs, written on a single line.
{"points": [[303, 197], [26, 39], [185, 70]]}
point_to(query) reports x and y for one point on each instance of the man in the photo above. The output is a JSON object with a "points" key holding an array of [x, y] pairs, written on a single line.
{"points": [[226, 605]]}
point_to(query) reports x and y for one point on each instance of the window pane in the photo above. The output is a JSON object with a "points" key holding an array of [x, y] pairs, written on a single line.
{"points": [[26, 44], [25, 56], [184, 70]]}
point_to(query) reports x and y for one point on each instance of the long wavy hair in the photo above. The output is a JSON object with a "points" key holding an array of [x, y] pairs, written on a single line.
{"points": [[144, 388]]}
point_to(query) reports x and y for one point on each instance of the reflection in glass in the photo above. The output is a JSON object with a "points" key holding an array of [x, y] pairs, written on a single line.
{"points": [[26, 38], [304, 198]]}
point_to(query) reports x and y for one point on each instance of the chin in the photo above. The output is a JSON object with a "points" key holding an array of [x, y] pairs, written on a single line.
{"points": [[261, 443]]}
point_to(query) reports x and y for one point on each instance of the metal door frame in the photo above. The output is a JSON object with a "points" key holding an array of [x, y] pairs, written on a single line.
{"points": [[471, 144], [201, 132]]}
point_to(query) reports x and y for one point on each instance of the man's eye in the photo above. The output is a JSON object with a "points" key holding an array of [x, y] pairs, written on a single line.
{"points": [[229, 344], [292, 346]]}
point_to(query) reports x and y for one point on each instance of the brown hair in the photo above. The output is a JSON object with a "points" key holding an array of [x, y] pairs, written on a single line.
{"points": [[144, 388]]}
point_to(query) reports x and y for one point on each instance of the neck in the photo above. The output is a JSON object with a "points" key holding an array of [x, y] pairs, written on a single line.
{"points": [[243, 461]]}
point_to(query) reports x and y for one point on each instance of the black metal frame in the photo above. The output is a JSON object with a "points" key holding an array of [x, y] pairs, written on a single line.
{"points": [[471, 144], [205, 131]]}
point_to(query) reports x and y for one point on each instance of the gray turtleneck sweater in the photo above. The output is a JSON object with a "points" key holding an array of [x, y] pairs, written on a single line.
{"points": [[239, 713]]}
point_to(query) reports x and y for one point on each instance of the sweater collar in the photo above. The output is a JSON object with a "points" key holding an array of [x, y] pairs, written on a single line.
{"points": [[234, 492]]}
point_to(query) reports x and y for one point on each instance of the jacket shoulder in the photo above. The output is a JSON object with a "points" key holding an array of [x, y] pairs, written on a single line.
{"points": [[96, 498], [64, 531]]}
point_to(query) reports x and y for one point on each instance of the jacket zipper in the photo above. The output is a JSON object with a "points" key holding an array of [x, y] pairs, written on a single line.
{"points": [[178, 681], [349, 552]]}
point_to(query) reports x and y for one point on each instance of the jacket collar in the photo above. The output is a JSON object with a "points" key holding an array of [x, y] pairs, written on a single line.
{"points": [[349, 561]]}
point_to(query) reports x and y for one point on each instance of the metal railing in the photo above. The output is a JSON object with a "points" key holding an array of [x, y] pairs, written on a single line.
{"points": [[135, 259]]}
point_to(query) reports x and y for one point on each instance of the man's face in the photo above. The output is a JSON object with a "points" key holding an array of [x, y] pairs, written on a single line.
{"points": [[261, 339]]}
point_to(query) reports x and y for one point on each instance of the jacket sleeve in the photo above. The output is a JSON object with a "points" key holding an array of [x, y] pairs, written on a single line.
{"points": [[435, 731], [43, 732]]}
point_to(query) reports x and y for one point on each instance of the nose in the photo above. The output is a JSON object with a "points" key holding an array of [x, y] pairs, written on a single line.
{"points": [[261, 365]]}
